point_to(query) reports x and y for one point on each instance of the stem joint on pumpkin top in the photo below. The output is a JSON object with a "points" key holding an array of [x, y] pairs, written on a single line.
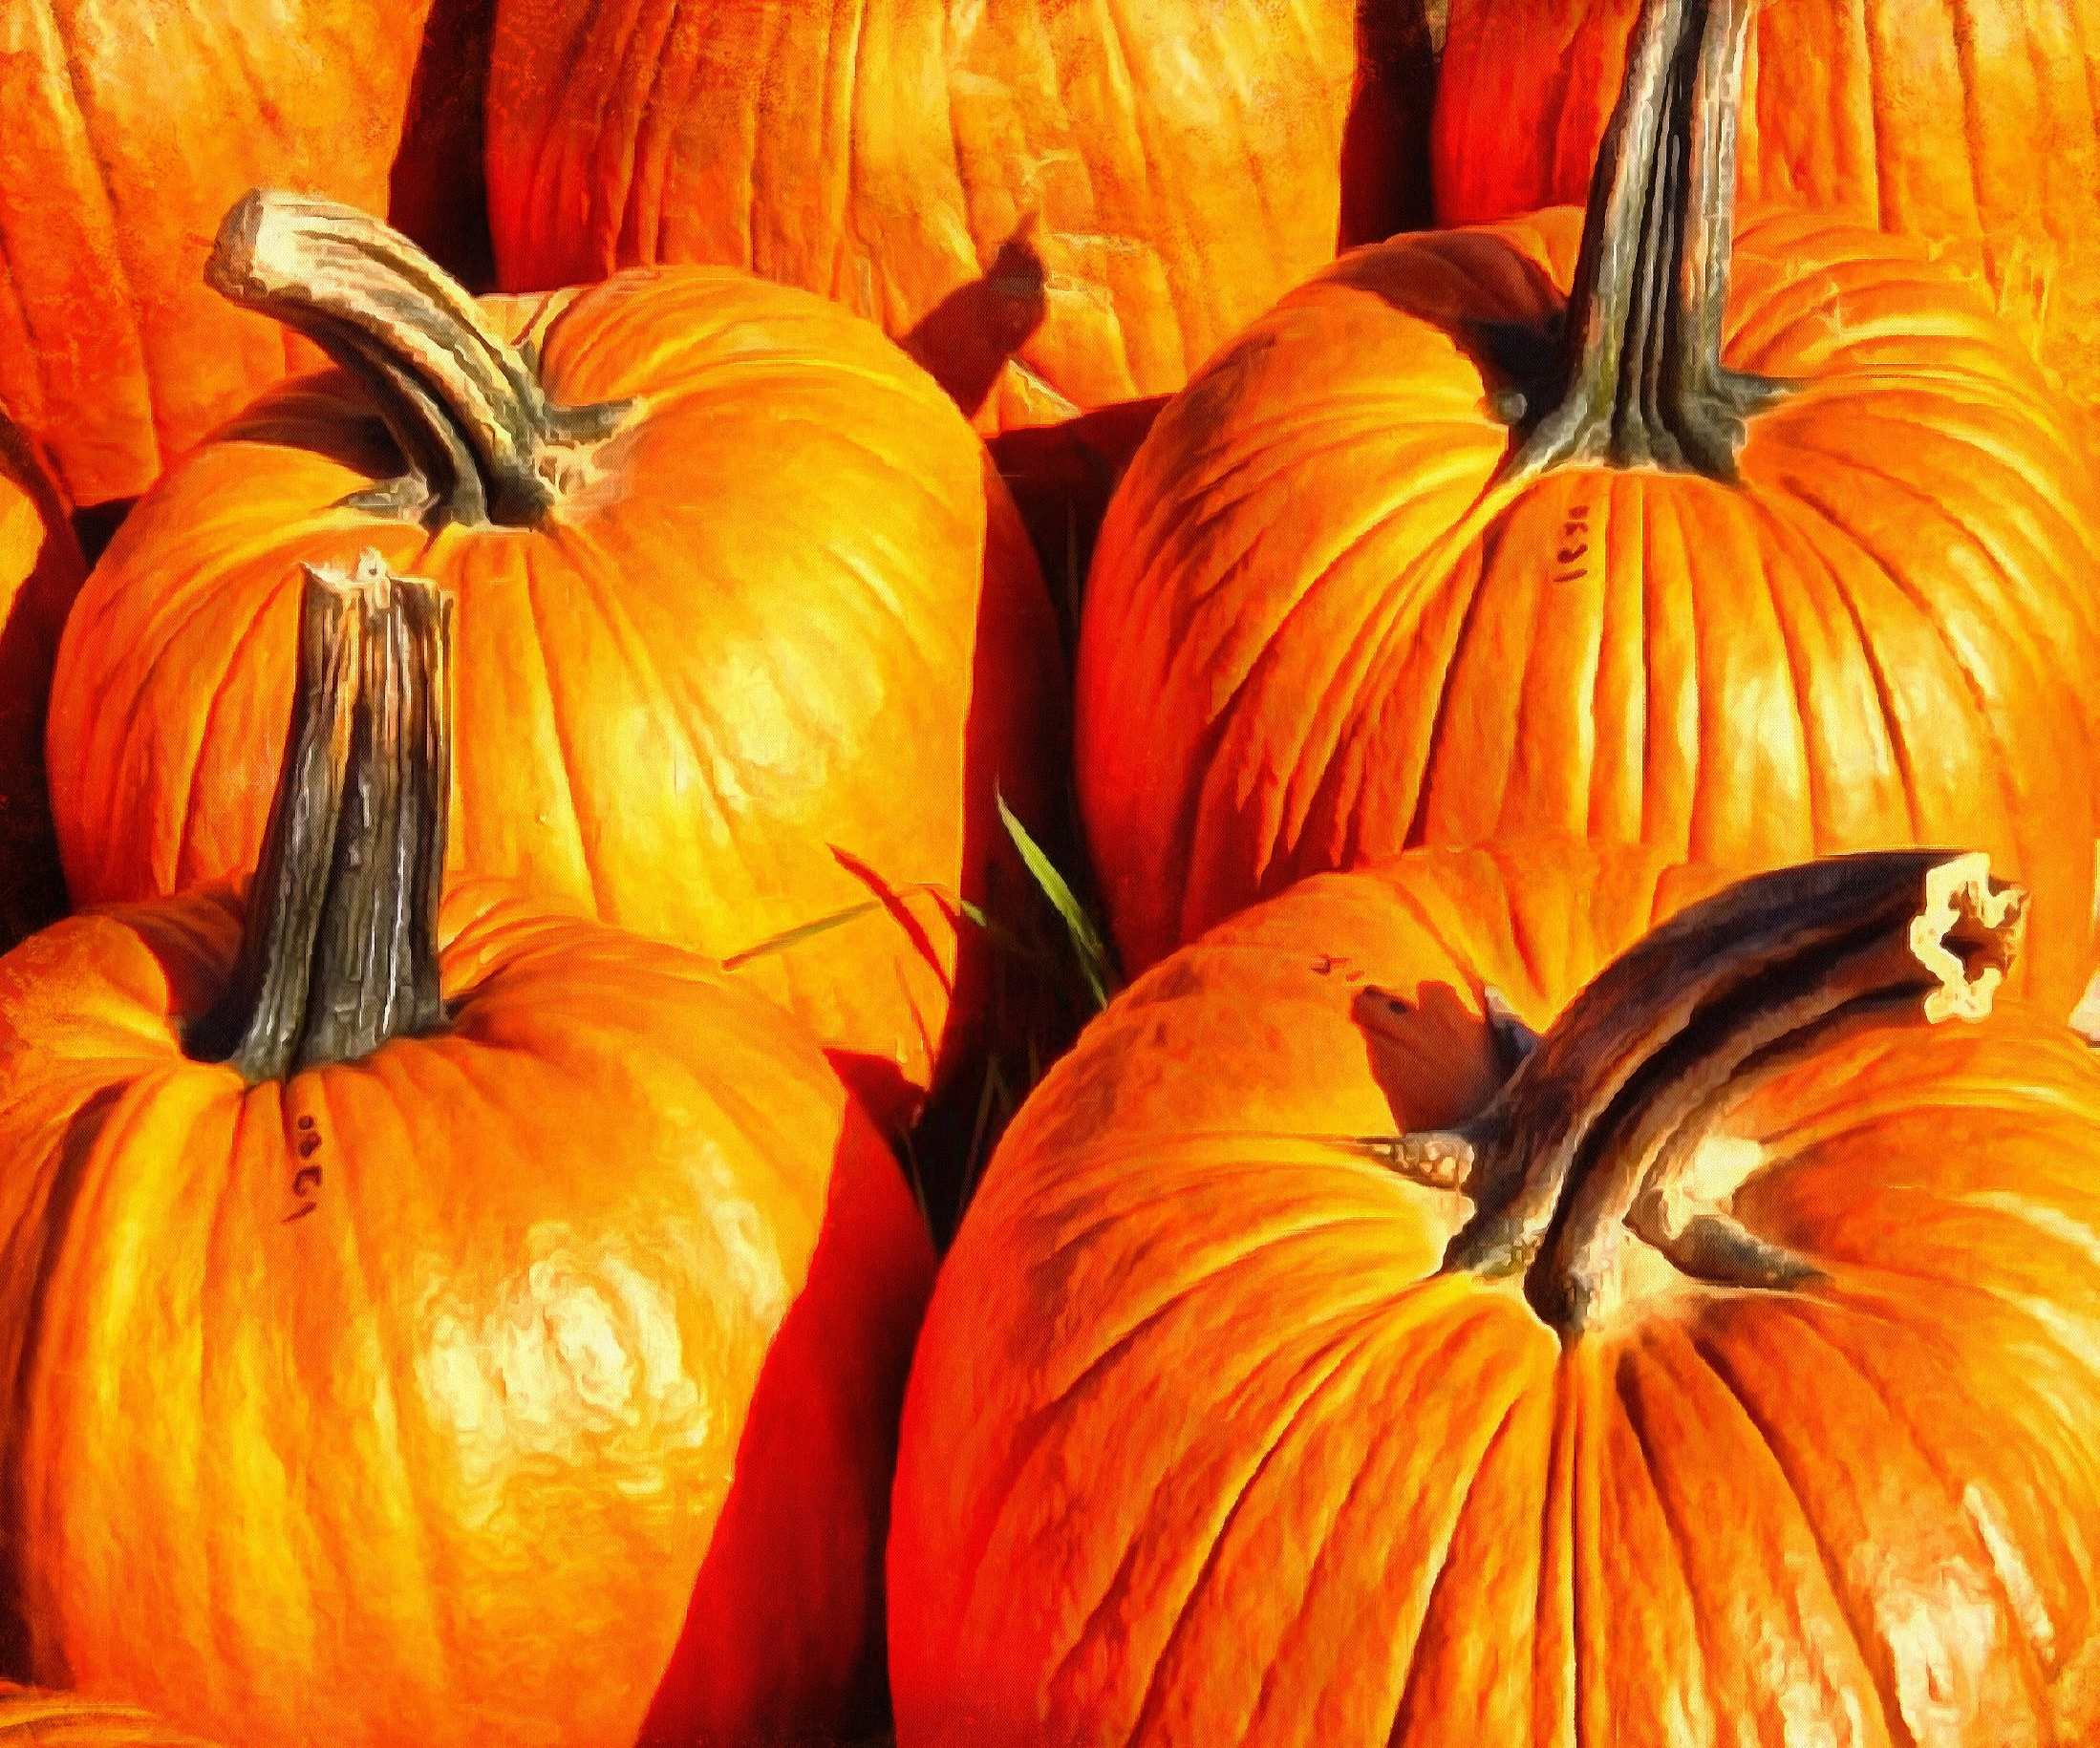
{"points": [[478, 436], [1638, 379], [1613, 1130]]}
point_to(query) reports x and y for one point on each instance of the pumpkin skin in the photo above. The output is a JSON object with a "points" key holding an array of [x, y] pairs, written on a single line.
{"points": [[131, 125], [1321, 627], [1969, 124], [1200, 1448], [767, 664], [1054, 206], [433, 1448], [40, 571], [47, 1717]]}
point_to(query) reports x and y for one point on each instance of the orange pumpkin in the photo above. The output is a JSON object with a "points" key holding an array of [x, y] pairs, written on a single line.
{"points": [[47, 1717], [1970, 124], [432, 1326], [131, 125], [750, 633], [40, 571], [1833, 593], [1726, 1368], [1054, 206]]}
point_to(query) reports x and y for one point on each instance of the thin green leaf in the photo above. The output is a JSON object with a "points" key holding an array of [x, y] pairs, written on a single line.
{"points": [[1089, 946]]}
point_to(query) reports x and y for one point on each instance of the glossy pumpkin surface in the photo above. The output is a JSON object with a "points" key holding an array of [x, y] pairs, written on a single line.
{"points": [[40, 571], [1973, 125], [1055, 206], [131, 125], [1202, 1445], [764, 662], [1323, 625], [437, 1397]]}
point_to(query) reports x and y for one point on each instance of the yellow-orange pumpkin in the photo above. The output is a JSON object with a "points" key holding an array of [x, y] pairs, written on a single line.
{"points": [[1055, 204], [750, 636], [1833, 593], [129, 126], [40, 571], [437, 1327], [1750, 1392]]}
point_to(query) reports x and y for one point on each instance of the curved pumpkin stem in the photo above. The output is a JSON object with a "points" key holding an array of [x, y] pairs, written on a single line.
{"points": [[481, 439], [340, 948], [1593, 1140], [1640, 379]]}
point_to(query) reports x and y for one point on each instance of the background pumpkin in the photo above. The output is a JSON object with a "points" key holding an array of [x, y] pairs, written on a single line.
{"points": [[131, 126], [1212, 1437], [1337, 609], [749, 652], [1053, 206], [1971, 124], [40, 570], [404, 1316]]}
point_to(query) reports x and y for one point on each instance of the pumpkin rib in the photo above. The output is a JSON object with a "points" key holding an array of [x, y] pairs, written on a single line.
{"points": [[1840, 1593], [1336, 1357], [2031, 1670], [1675, 1539], [1867, 1311]]}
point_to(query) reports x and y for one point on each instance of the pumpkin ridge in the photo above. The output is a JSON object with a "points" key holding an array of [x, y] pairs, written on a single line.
{"points": [[1442, 1562], [564, 763], [1806, 1321], [1624, 1393], [1352, 1347], [1805, 493], [1867, 1644]]}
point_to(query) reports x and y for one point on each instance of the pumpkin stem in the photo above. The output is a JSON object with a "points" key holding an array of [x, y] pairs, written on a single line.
{"points": [[1596, 1137], [340, 948], [482, 442], [1639, 380]]}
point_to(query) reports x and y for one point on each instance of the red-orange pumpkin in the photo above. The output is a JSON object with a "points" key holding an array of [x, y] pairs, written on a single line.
{"points": [[500, 1344], [750, 636], [1055, 206], [1750, 1392], [40, 571], [1971, 124], [1338, 608], [130, 126]]}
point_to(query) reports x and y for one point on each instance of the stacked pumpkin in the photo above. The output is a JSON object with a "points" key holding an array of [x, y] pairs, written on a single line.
{"points": [[1580, 1229]]}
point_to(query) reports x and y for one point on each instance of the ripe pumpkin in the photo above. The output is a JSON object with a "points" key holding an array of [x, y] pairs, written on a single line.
{"points": [[1748, 1392], [750, 633], [40, 571], [433, 1326], [1833, 593], [1970, 124], [1054, 206], [131, 125], [48, 1717]]}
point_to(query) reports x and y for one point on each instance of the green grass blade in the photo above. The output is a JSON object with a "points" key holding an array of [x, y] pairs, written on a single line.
{"points": [[1087, 944]]}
